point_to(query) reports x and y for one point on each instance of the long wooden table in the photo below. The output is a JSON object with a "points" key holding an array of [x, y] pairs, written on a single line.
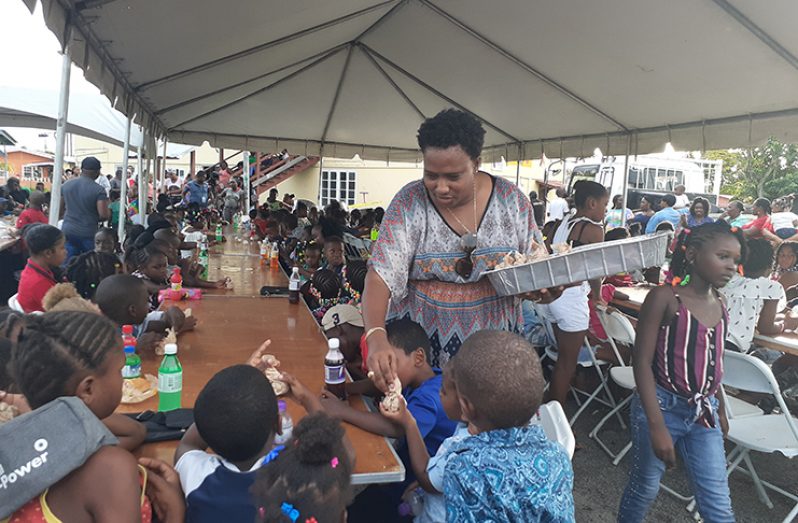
{"points": [[231, 325], [785, 342], [247, 273]]}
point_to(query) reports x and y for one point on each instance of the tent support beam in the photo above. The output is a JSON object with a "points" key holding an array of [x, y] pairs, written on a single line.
{"points": [[91, 4], [261, 90], [437, 93], [143, 173], [758, 32], [625, 180], [123, 187], [525, 66], [398, 89], [262, 47], [334, 103], [245, 172], [253, 79], [60, 138], [381, 20]]}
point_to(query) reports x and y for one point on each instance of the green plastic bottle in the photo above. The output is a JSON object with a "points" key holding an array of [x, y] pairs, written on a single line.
{"points": [[202, 259], [170, 380], [219, 234]]}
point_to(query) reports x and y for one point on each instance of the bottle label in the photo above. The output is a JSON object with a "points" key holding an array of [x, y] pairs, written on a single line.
{"points": [[333, 374], [293, 285], [131, 371], [170, 382]]}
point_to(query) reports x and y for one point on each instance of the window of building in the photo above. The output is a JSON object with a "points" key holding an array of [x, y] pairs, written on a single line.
{"points": [[28, 172], [338, 185]]}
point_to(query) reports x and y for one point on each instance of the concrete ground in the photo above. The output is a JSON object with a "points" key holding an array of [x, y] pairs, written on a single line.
{"points": [[598, 484]]}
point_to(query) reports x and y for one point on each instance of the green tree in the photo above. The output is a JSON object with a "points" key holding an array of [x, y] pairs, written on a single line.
{"points": [[769, 170]]}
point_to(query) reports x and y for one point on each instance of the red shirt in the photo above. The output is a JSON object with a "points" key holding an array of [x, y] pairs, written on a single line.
{"points": [[31, 215], [33, 285], [761, 223]]}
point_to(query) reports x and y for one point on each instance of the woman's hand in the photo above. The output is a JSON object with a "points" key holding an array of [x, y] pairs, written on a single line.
{"points": [[543, 295], [381, 361], [724, 422], [662, 444]]}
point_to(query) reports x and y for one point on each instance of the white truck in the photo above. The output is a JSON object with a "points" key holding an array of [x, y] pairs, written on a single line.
{"points": [[652, 176]]}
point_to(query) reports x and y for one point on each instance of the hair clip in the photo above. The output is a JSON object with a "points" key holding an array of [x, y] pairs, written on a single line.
{"points": [[684, 247], [311, 519], [734, 229], [334, 462], [685, 281], [676, 281], [261, 512], [686, 230], [93, 285], [741, 270], [289, 510]]}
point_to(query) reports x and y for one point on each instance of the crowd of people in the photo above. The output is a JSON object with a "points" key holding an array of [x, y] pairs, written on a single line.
{"points": [[415, 318]]}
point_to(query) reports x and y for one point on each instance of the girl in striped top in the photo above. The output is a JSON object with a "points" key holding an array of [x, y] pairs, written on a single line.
{"points": [[678, 366]]}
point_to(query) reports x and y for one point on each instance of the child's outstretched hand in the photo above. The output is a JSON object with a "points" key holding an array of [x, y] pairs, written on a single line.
{"points": [[148, 341], [220, 284], [188, 324], [402, 416], [301, 394], [256, 358], [332, 404], [163, 489]]}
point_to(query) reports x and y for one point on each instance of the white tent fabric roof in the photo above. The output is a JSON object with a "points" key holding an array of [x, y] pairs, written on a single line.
{"points": [[556, 76], [89, 115]]}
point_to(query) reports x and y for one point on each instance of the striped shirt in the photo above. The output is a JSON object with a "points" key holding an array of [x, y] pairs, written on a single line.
{"points": [[688, 359]]}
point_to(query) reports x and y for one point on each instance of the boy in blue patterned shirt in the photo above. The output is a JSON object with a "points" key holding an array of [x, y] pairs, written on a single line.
{"points": [[508, 471]]}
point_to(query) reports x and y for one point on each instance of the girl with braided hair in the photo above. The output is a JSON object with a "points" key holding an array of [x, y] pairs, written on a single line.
{"points": [[80, 354], [89, 269], [308, 482], [47, 253], [678, 367]]}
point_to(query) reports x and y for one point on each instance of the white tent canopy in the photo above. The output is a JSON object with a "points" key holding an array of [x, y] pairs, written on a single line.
{"points": [[91, 115], [556, 76]]}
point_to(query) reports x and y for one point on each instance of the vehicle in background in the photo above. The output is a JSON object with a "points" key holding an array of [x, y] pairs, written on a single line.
{"points": [[652, 176]]}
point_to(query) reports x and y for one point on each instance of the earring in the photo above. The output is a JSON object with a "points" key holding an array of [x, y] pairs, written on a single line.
{"points": [[685, 281]]}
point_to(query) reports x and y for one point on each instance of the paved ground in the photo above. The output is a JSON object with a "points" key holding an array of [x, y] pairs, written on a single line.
{"points": [[599, 485]]}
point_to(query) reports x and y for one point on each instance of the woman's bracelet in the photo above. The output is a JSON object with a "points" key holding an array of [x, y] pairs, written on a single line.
{"points": [[373, 330]]}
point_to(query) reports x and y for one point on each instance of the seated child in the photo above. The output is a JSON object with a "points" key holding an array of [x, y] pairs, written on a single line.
{"points": [[169, 244], [353, 279], [334, 254], [151, 268], [429, 470], [346, 323], [311, 261], [193, 233], [421, 389], [235, 415], [34, 212], [309, 480], [105, 241], [80, 354], [323, 291], [499, 384], [125, 301], [87, 270], [47, 253]]}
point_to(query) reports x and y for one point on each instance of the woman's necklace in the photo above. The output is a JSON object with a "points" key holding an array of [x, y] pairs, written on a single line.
{"points": [[470, 239]]}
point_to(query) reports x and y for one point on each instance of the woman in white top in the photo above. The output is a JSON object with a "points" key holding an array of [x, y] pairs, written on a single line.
{"points": [[754, 300], [783, 220]]}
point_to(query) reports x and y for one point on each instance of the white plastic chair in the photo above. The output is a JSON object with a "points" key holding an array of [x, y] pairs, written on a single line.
{"points": [[587, 358], [552, 418], [13, 304], [766, 433], [619, 330]]}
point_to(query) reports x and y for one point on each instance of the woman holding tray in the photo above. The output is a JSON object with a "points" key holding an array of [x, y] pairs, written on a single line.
{"points": [[437, 237]]}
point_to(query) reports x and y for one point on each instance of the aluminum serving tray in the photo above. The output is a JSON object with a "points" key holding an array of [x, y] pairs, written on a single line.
{"points": [[581, 264]]}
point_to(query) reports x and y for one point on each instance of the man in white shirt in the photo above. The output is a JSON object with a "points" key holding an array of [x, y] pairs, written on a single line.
{"points": [[682, 200], [558, 207]]}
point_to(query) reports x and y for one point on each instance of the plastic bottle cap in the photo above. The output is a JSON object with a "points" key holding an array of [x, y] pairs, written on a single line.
{"points": [[333, 343], [170, 348], [295, 270], [281, 406], [127, 329], [130, 349]]}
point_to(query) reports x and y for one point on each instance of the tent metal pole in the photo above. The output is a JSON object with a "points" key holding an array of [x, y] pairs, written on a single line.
{"points": [[321, 175], [518, 167], [245, 173], [60, 137], [625, 179], [123, 188], [144, 168], [163, 165]]}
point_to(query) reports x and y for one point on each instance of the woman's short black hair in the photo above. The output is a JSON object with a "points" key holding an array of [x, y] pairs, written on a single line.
{"points": [[763, 203], [41, 237], [759, 258], [452, 127], [700, 201], [584, 189]]}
